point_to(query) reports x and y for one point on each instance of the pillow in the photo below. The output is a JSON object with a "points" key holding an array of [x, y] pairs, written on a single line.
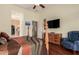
{"points": [[5, 35], [3, 40]]}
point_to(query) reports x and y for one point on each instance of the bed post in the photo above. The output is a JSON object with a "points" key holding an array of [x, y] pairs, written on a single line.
{"points": [[46, 36]]}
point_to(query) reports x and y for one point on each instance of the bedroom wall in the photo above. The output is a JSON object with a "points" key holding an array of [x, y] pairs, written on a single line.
{"points": [[69, 15], [69, 18], [5, 16], [4, 19]]}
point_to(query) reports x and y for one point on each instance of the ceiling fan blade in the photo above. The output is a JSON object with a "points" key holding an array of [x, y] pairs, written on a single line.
{"points": [[34, 6], [42, 5]]}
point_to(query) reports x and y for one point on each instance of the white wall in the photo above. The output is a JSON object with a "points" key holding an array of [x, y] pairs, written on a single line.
{"points": [[68, 14], [4, 19], [69, 18], [5, 16]]}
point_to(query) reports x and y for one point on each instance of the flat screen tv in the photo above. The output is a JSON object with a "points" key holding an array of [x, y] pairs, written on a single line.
{"points": [[54, 23]]}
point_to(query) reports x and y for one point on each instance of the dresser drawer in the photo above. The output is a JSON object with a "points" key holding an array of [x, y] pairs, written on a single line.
{"points": [[55, 38], [56, 42]]}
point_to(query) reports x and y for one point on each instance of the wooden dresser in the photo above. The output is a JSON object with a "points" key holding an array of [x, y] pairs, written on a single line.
{"points": [[55, 38]]}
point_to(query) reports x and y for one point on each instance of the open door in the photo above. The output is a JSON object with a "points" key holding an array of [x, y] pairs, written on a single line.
{"points": [[15, 27]]}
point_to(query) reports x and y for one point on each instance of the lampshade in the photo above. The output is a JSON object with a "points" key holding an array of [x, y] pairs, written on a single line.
{"points": [[27, 23]]}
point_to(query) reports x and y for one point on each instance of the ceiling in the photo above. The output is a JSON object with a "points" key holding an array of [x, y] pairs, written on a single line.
{"points": [[47, 6], [30, 7]]}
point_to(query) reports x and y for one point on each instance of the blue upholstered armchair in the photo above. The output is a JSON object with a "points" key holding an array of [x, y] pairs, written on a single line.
{"points": [[72, 42]]}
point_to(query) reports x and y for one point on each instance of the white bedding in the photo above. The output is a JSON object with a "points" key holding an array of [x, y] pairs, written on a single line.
{"points": [[20, 51]]}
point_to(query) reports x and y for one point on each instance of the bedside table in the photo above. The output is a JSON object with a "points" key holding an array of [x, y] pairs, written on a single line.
{"points": [[55, 38]]}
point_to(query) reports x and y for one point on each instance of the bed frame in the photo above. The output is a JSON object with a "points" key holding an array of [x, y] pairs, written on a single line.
{"points": [[46, 36]]}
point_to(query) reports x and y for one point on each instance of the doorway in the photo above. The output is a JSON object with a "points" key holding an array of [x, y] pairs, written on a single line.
{"points": [[16, 23]]}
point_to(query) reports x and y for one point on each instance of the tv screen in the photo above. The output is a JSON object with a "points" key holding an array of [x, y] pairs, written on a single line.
{"points": [[54, 23]]}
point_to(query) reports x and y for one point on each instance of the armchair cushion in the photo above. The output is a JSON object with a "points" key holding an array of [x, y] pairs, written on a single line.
{"points": [[66, 43]]}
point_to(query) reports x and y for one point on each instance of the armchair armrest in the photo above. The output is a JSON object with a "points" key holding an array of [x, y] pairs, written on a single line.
{"points": [[76, 42], [64, 39], [76, 45]]}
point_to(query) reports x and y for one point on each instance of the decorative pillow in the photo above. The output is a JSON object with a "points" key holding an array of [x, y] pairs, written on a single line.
{"points": [[3, 40], [5, 35]]}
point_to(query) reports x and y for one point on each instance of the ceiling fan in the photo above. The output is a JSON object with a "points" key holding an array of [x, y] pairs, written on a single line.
{"points": [[41, 5]]}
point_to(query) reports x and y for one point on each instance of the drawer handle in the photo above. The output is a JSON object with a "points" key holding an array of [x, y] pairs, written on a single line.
{"points": [[56, 40]]}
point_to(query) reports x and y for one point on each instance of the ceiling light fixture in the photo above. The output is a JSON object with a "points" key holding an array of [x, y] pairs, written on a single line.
{"points": [[41, 5]]}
